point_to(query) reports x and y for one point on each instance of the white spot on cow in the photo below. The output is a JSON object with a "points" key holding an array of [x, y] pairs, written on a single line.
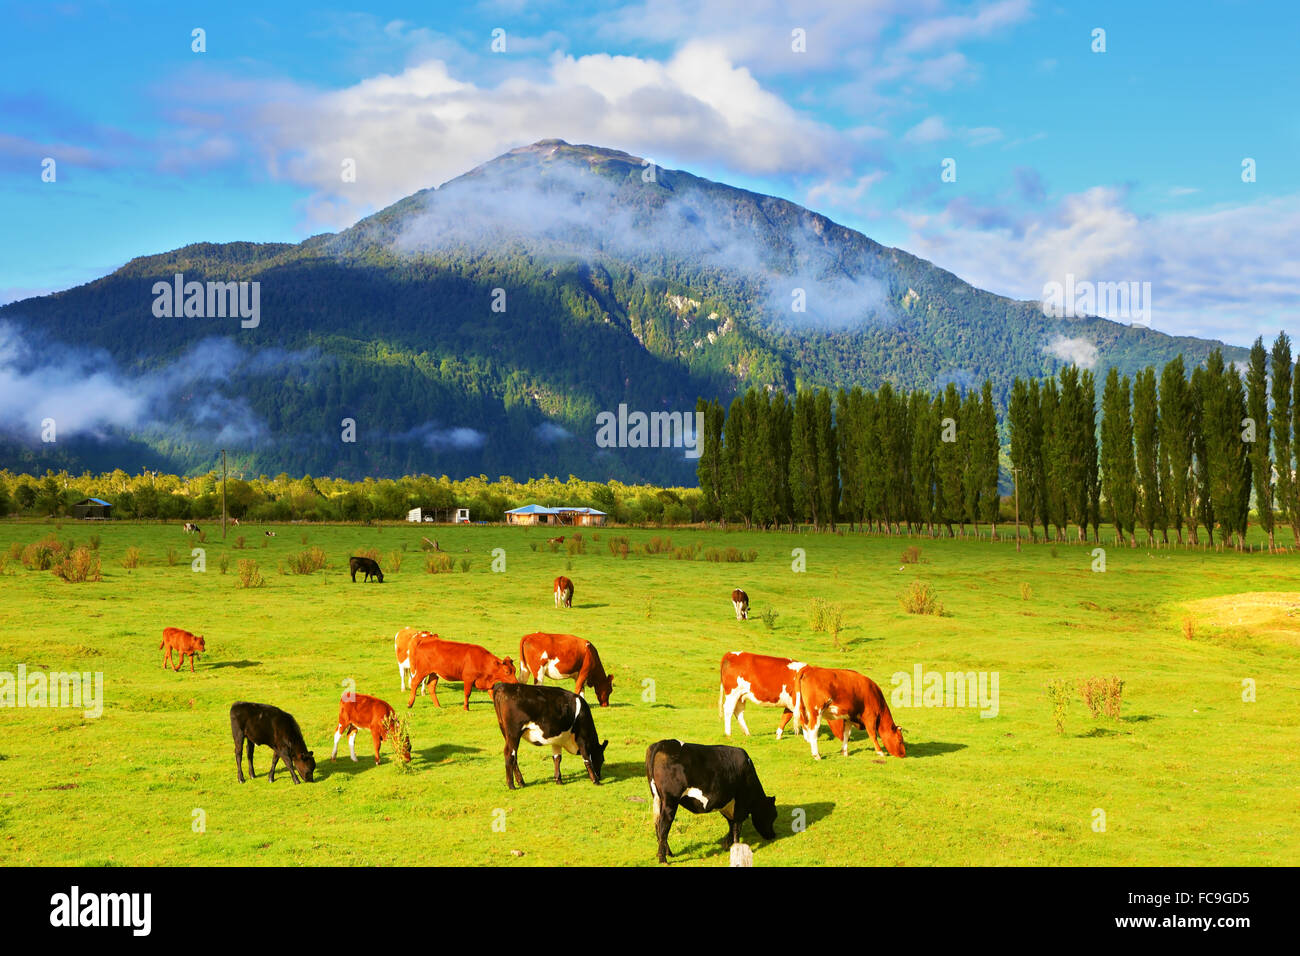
{"points": [[796, 666], [694, 793]]}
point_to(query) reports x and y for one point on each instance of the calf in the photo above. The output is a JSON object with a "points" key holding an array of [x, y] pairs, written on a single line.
{"points": [[403, 641], [547, 716], [702, 778], [270, 534], [182, 642], [191, 528], [369, 565], [559, 540], [560, 656], [362, 712], [563, 588], [740, 602], [761, 679], [452, 660], [849, 699], [270, 727]]}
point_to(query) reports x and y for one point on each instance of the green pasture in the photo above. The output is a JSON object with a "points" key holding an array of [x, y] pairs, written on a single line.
{"points": [[1190, 774]]}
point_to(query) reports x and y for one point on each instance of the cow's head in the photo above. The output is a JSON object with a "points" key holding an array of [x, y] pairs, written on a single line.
{"points": [[597, 758], [379, 573], [305, 764], [764, 817], [891, 735], [505, 671], [198, 643], [603, 689]]}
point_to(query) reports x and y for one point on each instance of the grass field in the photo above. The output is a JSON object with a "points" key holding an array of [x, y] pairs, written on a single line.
{"points": [[1190, 774]]}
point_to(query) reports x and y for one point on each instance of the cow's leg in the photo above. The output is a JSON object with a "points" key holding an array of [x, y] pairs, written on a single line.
{"points": [[293, 774], [251, 772], [875, 739], [469, 686], [740, 715], [432, 687], [378, 734], [338, 735], [785, 719], [555, 756], [275, 756], [401, 676], [810, 733], [352, 745], [192, 656], [513, 774], [167, 658], [841, 730], [666, 812], [239, 755]]}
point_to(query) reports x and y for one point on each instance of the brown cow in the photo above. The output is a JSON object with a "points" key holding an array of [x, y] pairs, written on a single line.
{"points": [[740, 601], [451, 660], [403, 641], [560, 656], [360, 711], [563, 588], [850, 699], [182, 642], [761, 679], [559, 540]]}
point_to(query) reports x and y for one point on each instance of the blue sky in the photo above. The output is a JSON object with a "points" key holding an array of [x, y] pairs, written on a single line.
{"points": [[1123, 165]]}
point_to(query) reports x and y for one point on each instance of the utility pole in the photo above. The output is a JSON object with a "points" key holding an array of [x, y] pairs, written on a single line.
{"points": [[1015, 480], [223, 495]]}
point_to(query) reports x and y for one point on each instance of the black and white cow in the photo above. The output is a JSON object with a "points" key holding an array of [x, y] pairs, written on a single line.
{"points": [[191, 528], [703, 778], [547, 716]]}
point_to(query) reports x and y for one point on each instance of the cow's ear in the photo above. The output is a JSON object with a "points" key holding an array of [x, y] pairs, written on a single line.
{"points": [[610, 678]]}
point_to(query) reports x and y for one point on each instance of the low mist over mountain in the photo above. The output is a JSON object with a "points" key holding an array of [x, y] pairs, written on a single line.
{"points": [[481, 327]]}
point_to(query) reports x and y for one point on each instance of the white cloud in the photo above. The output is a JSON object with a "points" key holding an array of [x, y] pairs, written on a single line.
{"points": [[1078, 351]]}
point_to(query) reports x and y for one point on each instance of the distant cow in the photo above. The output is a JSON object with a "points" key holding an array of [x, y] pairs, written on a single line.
{"points": [[849, 699], [563, 588], [190, 527], [451, 660], [740, 601], [270, 727], [182, 642], [559, 540], [403, 641], [703, 778], [363, 712], [369, 565], [560, 656], [761, 679], [547, 716], [270, 534]]}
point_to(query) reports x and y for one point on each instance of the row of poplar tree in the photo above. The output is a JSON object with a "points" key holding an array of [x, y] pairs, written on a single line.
{"points": [[885, 460], [1174, 452]]}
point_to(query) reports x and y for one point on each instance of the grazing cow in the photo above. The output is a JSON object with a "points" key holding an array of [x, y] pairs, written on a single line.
{"points": [[403, 641], [270, 727], [369, 565], [190, 527], [452, 660], [563, 592], [703, 778], [368, 713], [559, 540], [761, 679], [849, 699], [234, 521], [547, 716], [560, 656], [740, 601], [182, 642], [270, 534]]}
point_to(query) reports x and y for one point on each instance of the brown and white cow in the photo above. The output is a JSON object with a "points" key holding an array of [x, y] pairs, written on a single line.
{"points": [[363, 712], [761, 679], [740, 601], [403, 640], [563, 589], [182, 642], [451, 660], [561, 656], [848, 699]]}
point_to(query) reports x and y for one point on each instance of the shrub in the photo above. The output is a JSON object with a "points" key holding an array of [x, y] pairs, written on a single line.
{"points": [[15, 551], [249, 575], [394, 561], [658, 545], [307, 562], [132, 557], [239, 541], [1189, 628], [1091, 689], [817, 614], [911, 555], [686, 554], [80, 565], [44, 554], [919, 598], [224, 563], [94, 542], [834, 623], [1026, 592], [437, 563], [576, 545], [769, 617], [1112, 697], [465, 564], [1059, 692]]}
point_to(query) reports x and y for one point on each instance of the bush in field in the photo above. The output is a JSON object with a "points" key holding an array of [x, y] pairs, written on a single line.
{"points": [[688, 553], [911, 555], [769, 617], [239, 541], [132, 557], [437, 563], [44, 554], [618, 546], [394, 562], [465, 564], [1059, 693], [224, 563], [657, 545], [817, 614], [249, 575], [730, 555], [1026, 592], [15, 551], [576, 544], [1102, 695], [919, 598], [80, 565], [1189, 628], [307, 562], [94, 542]]}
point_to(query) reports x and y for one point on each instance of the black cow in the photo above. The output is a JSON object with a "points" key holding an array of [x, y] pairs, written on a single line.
{"points": [[547, 715], [369, 565], [702, 778], [270, 727]]}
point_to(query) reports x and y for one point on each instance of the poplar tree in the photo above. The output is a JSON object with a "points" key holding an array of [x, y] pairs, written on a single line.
{"points": [[1259, 450], [1146, 446], [1282, 434], [1118, 473], [828, 471], [1176, 458]]}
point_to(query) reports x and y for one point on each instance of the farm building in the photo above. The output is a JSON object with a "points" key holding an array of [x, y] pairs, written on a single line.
{"points": [[453, 515], [563, 515], [92, 508]]}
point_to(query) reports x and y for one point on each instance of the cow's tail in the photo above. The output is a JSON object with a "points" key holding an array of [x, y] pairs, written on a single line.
{"points": [[523, 659], [801, 719], [722, 696]]}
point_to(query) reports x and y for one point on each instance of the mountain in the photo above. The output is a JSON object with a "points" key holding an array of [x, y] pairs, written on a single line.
{"points": [[481, 326]]}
